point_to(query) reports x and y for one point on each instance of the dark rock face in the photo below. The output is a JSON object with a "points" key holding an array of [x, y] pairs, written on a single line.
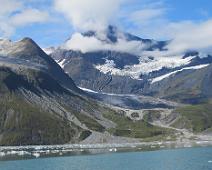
{"points": [[80, 68]]}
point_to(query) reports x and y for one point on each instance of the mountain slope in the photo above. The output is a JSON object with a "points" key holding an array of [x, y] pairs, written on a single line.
{"points": [[23, 118], [188, 86], [197, 118], [39, 102], [26, 52]]}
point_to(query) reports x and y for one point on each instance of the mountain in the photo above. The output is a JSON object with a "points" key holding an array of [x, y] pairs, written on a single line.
{"points": [[26, 52], [132, 70], [41, 105], [103, 70]]}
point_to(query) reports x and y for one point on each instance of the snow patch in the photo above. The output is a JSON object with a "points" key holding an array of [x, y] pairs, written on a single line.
{"points": [[61, 63], [157, 79], [145, 66], [87, 90], [49, 50]]}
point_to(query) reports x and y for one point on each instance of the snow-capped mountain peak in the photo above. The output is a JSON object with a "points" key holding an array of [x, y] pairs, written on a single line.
{"points": [[112, 57]]}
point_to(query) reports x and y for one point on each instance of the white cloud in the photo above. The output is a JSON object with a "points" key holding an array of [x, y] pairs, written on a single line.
{"points": [[144, 16], [92, 14], [9, 6], [88, 44], [14, 14], [29, 16], [195, 36], [185, 35]]}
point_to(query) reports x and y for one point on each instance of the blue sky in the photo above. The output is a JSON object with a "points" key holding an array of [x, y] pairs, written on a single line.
{"points": [[57, 27], [190, 9]]}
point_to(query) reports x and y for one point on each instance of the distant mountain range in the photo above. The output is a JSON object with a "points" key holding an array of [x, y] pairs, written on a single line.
{"points": [[104, 95], [135, 72]]}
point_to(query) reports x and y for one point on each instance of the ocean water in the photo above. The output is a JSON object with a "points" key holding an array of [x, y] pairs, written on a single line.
{"points": [[179, 159]]}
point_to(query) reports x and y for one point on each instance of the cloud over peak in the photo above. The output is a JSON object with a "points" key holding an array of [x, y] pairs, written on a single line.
{"points": [[85, 44]]}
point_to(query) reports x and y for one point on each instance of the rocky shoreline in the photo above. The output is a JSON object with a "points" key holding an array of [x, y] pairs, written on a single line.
{"points": [[30, 152]]}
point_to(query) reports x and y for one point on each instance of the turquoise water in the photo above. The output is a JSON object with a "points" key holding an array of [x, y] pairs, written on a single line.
{"points": [[180, 159]]}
